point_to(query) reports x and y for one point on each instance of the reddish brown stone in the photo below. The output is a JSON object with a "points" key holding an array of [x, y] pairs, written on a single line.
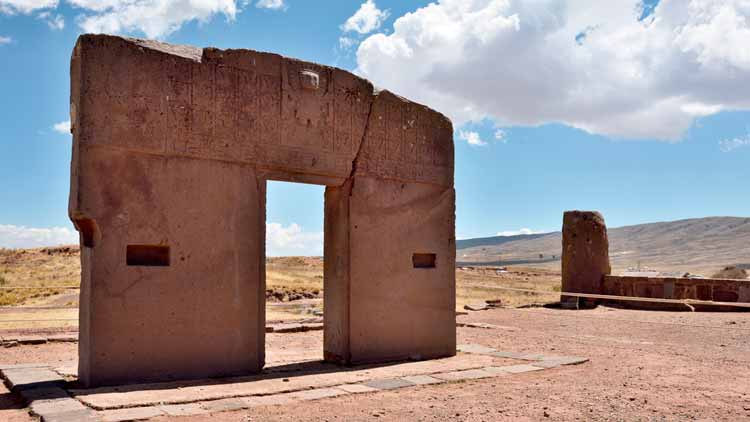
{"points": [[585, 256], [172, 149]]}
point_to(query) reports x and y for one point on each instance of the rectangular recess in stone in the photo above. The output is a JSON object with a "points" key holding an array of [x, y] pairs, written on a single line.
{"points": [[424, 260], [147, 255]]}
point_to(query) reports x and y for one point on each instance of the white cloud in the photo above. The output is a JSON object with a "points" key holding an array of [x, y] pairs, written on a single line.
{"points": [[55, 22], [292, 240], [518, 232], [585, 63], [500, 136], [62, 127], [270, 4], [11, 7], [155, 18], [728, 145], [472, 138], [345, 43], [31, 237], [5, 40], [366, 19]]}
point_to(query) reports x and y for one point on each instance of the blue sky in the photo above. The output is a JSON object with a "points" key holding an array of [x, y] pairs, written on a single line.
{"points": [[628, 118]]}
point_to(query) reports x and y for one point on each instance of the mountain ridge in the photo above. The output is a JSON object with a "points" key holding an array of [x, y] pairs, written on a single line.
{"points": [[698, 245]]}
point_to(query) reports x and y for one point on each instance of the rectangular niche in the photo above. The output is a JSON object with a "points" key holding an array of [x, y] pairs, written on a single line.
{"points": [[424, 260], [147, 255]]}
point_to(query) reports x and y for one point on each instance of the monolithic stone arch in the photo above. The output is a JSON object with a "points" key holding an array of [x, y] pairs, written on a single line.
{"points": [[172, 147]]}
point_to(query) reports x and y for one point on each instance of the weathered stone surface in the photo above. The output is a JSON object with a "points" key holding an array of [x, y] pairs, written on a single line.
{"points": [[356, 388], [555, 361], [31, 340], [475, 348], [585, 256], [519, 369], [481, 306], [224, 405], [32, 377], [470, 374], [422, 380], [172, 148], [186, 409], [131, 414], [389, 384], [318, 393]]}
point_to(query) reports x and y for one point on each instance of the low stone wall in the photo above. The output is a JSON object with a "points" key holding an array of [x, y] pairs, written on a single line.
{"points": [[717, 290]]}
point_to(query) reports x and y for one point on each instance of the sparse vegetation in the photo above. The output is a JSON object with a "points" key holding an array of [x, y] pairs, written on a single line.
{"points": [[731, 272]]}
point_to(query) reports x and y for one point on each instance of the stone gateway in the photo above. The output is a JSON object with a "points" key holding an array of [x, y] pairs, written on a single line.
{"points": [[172, 148]]}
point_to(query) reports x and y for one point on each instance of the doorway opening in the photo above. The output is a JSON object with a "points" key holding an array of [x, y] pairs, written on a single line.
{"points": [[294, 273]]}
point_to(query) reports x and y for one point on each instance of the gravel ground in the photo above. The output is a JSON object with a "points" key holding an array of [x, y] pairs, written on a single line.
{"points": [[645, 366]]}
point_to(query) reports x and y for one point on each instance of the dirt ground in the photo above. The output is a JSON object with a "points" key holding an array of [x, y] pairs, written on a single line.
{"points": [[644, 366]]}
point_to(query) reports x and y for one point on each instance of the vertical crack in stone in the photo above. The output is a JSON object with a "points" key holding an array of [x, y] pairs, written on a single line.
{"points": [[362, 141]]}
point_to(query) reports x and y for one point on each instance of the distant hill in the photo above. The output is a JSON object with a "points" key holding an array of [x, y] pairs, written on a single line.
{"points": [[700, 245]]}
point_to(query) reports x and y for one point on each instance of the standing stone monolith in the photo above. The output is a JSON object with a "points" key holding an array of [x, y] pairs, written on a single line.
{"points": [[585, 259]]}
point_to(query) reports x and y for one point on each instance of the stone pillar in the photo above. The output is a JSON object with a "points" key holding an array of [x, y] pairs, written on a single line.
{"points": [[585, 256]]}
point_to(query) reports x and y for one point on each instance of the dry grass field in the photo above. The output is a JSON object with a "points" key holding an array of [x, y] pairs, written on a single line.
{"points": [[293, 287]]}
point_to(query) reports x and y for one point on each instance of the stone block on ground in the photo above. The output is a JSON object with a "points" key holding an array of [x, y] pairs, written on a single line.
{"points": [[270, 400], [187, 409], [389, 384], [469, 374], [224, 405], [519, 369], [34, 377], [131, 414], [555, 361], [422, 380], [481, 306], [288, 328], [63, 338], [318, 393], [31, 340], [356, 388], [474, 348]]}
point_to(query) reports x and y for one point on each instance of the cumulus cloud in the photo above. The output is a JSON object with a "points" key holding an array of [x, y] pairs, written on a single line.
{"points": [[5, 40], [519, 232], [62, 127], [598, 66], [472, 138], [728, 145], [292, 240], [154, 18], [270, 4], [366, 19], [12, 7], [31, 237]]}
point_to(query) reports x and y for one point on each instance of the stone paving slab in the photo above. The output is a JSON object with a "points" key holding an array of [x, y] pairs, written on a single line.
{"points": [[224, 405], [474, 348], [87, 415], [313, 381], [389, 384], [356, 388], [509, 355], [186, 409], [553, 362], [471, 374], [519, 369], [422, 380], [34, 377], [181, 392], [318, 393], [132, 414]]}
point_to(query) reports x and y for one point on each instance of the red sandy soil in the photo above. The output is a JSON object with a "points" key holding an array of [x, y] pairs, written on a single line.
{"points": [[645, 366]]}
